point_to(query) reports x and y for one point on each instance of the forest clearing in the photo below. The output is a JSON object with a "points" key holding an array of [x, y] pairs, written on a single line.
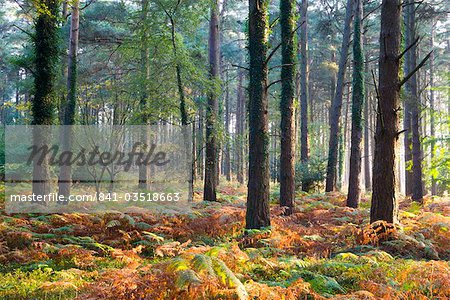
{"points": [[224, 149]]}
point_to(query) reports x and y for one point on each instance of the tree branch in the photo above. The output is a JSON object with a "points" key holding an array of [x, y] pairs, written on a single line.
{"points": [[24, 31], [240, 67], [407, 48], [370, 12], [279, 45], [273, 82], [420, 65]]}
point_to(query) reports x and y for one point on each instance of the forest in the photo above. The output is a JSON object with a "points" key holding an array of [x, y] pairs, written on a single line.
{"points": [[294, 149]]}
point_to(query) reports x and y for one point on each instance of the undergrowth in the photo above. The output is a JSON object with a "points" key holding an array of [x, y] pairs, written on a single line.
{"points": [[323, 250]]}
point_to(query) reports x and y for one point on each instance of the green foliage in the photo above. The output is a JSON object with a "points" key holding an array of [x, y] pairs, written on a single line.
{"points": [[311, 174], [203, 263], [229, 278], [185, 278], [41, 283]]}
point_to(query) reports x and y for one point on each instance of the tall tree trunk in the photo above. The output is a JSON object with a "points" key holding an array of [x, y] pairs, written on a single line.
{"points": [[144, 170], [354, 188], [287, 156], [335, 112], [183, 110], [304, 73], [212, 109], [417, 184], [304, 81], [367, 137], [384, 203], [257, 214], [199, 136], [227, 146], [240, 134], [46, 55], [407, 141], [432, 113]]}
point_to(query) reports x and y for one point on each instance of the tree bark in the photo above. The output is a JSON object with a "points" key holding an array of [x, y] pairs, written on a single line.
{"points": [[407, 141], [384, 202], [240, 134], [200, 142], [304, 85], [227, 154], [43, 105], [354, 187], [144, 170], [212, 109], [182, 97], [287, 156], [257, 214], [417, 184], [432, 113], [367, 137], [335, 112]]}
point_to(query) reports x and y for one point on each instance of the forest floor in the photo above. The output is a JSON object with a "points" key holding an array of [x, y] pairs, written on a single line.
{"points": [[323, 250]]}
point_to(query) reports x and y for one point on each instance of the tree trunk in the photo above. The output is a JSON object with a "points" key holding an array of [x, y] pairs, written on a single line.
{"points": [[417, 184], [144, 174], [212, 109], [432, 113], [240, 120], [287, 156], [257, 214], [199, 136], [46, 53], [367, 137], [407, 142], [304, 85], [335, 112], [354, 187], [384, 202], [227, 154], [183, 110]]}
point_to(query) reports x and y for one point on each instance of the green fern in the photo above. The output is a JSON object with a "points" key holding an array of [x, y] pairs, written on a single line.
{"points": [[227, 277], [113, 223], [185, 278], [346, 256], [203, 263], [128, 219], [64, 229], [178, 264], [142, 226]]}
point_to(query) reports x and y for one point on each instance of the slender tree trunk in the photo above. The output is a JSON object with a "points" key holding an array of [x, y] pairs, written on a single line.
{"points": [[432, 113], [144, 173], [43, 105], [407, 141], [212, 109], [417, 184], [287, 157], [384, 202], [227, 156], [367, 137], [354, 187], [304, 73], [335, 112], [304, 83], [240, 120], [183, 110], [200, 150], [257, 214]]}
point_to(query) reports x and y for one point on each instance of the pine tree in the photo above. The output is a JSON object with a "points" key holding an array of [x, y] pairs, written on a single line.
{"points": [[257, 215], [287, 157]]}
